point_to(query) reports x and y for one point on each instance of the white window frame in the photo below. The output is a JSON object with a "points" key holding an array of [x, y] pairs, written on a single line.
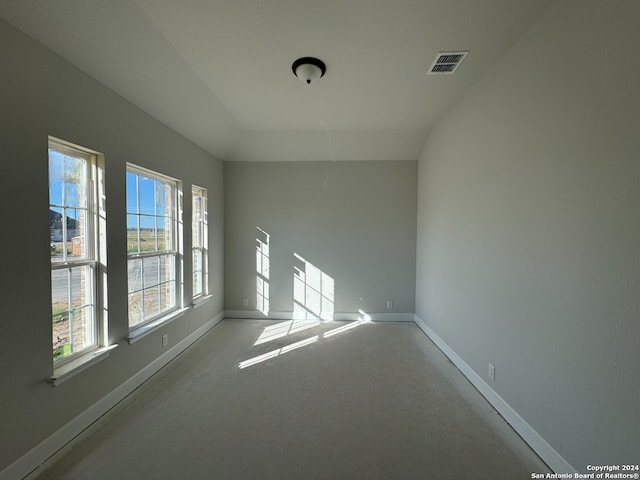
{"points": [[95, 260], [201, 226], [148, 324]]}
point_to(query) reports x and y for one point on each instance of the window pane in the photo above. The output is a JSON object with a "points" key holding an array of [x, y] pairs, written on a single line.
{"points": [[151, 302], [55, 233], [168, 295], [132, 193], [155, 233], [167, 268], [61, 337], [197, 272], [151, 268], [147, 195], [135, 308], [72, 310], [197, 260], [149, 237], [71, 192], [196, 234], [59, 293], [81, 286], [197, 283], [147, 234], [164, 198], [151, 287], [74, 181], [67, 179], [82, 334], [132, 234], [134, 267], [197, 207], [56, 175], [76, 232], [165, 233]]}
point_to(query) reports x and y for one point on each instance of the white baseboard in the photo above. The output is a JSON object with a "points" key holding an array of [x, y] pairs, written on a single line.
{"points": [[338, 316], [392, 317], [538, 444], [31, 460], [256, 315]]}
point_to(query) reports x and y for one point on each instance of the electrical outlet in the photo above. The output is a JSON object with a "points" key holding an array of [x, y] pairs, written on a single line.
{"points": [[492, 372], [389, 304], [165, 339], [245, 302]]}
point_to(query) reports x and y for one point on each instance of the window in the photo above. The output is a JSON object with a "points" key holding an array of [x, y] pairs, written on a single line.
{"points": [[78, 256], [200, 242], [153, 245]]}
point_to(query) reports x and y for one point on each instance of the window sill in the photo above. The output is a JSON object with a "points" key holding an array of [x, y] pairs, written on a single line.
{"points": [[74, 367], [198, 302], [140, 332]]}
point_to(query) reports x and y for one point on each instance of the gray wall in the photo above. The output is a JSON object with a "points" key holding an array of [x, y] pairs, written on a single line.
{"points": [[528, 251], [41, 95], [356, 221]]}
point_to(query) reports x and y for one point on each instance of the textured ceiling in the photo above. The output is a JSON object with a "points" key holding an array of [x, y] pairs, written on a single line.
{"points": [[219, 71]]}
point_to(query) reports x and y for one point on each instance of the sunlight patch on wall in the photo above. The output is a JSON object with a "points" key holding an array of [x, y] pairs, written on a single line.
{"points": [[313, 304], [313, 291], [262, 269]]}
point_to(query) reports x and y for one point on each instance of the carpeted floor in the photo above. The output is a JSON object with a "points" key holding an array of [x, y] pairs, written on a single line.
{"points": [[268, 400]]}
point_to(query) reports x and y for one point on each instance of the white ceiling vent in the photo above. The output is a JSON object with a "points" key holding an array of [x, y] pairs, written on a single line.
{"points": [[446, 63]]}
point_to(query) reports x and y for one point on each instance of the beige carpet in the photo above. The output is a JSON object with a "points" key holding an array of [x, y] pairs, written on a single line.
{"points": [[331, 401]]}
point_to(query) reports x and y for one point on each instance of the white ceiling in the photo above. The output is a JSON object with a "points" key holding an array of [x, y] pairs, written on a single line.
{"points": [[219, 71]]}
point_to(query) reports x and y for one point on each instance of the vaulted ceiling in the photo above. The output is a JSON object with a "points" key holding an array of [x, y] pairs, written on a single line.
{"points": [[219, 71]]}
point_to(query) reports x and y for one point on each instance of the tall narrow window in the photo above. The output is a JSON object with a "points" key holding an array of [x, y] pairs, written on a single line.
{"points": [[152, 245], [76, 213], [200, 242]]}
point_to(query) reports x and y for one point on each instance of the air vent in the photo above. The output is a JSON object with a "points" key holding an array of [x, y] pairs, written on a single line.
{"points": [[446, 63]]}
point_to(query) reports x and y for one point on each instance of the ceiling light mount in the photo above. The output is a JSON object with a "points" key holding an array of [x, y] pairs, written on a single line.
{"points": [[308, 69]]}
